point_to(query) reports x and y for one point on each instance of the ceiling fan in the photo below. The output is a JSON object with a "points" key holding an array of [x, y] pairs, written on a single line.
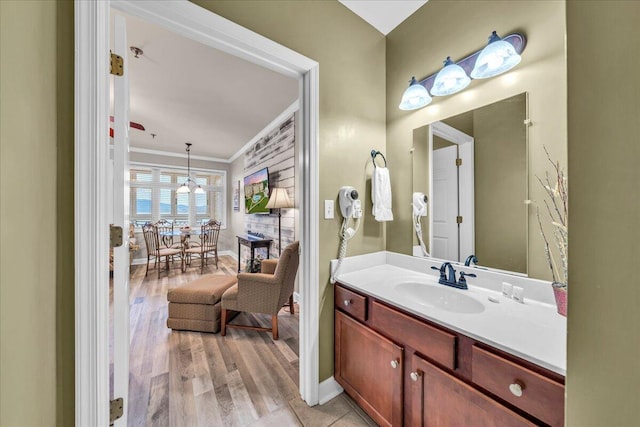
{"points": [[132, 125]]}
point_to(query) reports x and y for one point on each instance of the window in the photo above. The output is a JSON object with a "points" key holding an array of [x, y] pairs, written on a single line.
{"points": [[154, 196]]}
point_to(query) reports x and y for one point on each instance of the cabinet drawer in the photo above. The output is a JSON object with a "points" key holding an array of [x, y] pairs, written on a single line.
{"points": [[540, 396], [432, 342], [351, 302]]}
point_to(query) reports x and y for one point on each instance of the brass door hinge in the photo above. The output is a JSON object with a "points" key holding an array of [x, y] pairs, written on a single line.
{"points": [[115, 409], [115, 236], [458, 162], [459, 219], [117, 65]]}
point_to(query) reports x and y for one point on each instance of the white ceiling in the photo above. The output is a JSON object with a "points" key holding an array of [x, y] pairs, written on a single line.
{"points": [[384, 15], [184, 91]]}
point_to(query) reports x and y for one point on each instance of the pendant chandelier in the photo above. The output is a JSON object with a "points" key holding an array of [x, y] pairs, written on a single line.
{"points": [[186, 186]]}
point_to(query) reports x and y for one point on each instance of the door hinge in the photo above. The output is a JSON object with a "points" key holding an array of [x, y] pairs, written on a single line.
{"points": [[115, 409], [117, 65], [459, 219], [115, 236], [458, 162]]}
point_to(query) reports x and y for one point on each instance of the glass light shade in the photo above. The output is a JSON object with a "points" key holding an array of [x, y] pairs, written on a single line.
{"points": [[184, 188], [496, 58], [199, 190], [279, 199], [416, 96], [451, 79]]}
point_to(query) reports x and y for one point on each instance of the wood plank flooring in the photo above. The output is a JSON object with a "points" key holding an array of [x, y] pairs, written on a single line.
{"points": [[197, 379]]}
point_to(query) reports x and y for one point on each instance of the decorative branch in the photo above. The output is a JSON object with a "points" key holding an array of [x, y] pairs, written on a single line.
{"points": [[547, 252], [558, 211]]}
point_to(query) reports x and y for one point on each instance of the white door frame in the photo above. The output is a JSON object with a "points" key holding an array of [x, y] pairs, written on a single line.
{"points": [[466, 180], [90, 183], [118, 196]]}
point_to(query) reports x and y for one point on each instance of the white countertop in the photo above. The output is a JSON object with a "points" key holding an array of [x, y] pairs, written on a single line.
{"points": [[533, 331]]}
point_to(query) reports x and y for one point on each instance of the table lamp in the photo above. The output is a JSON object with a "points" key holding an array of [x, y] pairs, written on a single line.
{"points": [[279, 199]]}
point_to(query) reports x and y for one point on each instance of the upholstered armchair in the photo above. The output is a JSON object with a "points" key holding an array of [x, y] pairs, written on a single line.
{"points": [[264, 292]]}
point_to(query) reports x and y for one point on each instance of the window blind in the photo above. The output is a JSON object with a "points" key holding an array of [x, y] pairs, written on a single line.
{"points": [[154, 197]]}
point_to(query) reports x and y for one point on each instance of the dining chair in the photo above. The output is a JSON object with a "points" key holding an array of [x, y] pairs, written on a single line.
{"points": [[155, 250], [209, 233], [165, 226]]}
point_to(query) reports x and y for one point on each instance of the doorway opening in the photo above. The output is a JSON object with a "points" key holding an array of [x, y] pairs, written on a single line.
{"points": [[92, 177]]}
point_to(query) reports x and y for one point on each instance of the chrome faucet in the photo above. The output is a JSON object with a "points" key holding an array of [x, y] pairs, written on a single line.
{"points": [[447, 268]]}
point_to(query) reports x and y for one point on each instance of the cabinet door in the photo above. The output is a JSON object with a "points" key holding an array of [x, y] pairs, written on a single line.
{"points": [[440, 399], [369, 367]]}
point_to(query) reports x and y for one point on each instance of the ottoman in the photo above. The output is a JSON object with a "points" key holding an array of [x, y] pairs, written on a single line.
{"points": [[196, 305]]}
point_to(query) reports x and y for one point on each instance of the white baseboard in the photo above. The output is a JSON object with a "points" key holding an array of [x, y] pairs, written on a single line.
{"points": [[328, 389], [139, 261]]}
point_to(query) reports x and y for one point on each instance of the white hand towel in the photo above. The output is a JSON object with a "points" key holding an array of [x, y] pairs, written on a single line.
{"points": [[381, 194]]}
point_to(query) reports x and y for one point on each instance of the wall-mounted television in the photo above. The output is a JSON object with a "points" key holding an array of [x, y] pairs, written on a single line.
{"points": [[256, 192]]}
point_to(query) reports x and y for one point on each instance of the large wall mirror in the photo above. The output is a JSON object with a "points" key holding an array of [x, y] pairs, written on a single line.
{"points": [[473, 168]]}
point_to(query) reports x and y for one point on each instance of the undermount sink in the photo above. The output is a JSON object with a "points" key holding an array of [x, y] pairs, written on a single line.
{"points": [[440, 297]]}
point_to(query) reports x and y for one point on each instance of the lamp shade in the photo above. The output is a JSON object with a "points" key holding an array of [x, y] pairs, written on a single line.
{"points": [[184, 188], [199, 190], [279, 199], [496, 58], [451, 79], [416, 96]]}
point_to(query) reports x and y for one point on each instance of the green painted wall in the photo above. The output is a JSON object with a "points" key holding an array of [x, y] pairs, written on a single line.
{"points": [[440, 28], [28, 267], [351, 55], [65, 275], [604, 197], [500, 157]]}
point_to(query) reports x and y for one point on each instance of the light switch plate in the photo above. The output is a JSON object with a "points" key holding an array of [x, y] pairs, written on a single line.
{"points": [[329, 206]]}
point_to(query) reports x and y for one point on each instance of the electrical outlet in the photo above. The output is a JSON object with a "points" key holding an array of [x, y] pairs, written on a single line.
{"points": [[518, 294], [507, 289], [329, 206]]}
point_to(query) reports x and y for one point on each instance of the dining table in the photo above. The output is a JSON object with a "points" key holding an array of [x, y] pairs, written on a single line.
{"points": [[184, 234]]}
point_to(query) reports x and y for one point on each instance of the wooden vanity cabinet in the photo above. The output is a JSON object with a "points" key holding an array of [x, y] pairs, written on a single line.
{"points": [[403, 370], [370, 368]]}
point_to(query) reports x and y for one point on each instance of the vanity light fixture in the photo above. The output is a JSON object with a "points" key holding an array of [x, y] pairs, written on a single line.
{"points": [[416, 96], [451, 79], [186, 186], [497, 57]]}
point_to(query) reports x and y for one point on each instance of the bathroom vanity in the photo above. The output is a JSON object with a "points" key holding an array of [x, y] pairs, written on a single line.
{"points": [[411, 352]]}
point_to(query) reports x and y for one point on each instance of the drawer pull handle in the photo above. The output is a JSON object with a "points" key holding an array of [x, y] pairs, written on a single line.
{"points": [[516, 388], [394, 364], [415, 376], [347, 302]]}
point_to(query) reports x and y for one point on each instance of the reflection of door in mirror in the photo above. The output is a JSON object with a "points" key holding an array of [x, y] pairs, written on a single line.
{"points": [[452, 190], [486, 193]]}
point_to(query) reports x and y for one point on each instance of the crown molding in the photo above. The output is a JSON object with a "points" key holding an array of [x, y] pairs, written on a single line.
{"points": [[178, 155], [295, 106]]}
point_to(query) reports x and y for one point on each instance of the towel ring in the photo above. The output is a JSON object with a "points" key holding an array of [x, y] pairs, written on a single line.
{"points": [[374, 154]]}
